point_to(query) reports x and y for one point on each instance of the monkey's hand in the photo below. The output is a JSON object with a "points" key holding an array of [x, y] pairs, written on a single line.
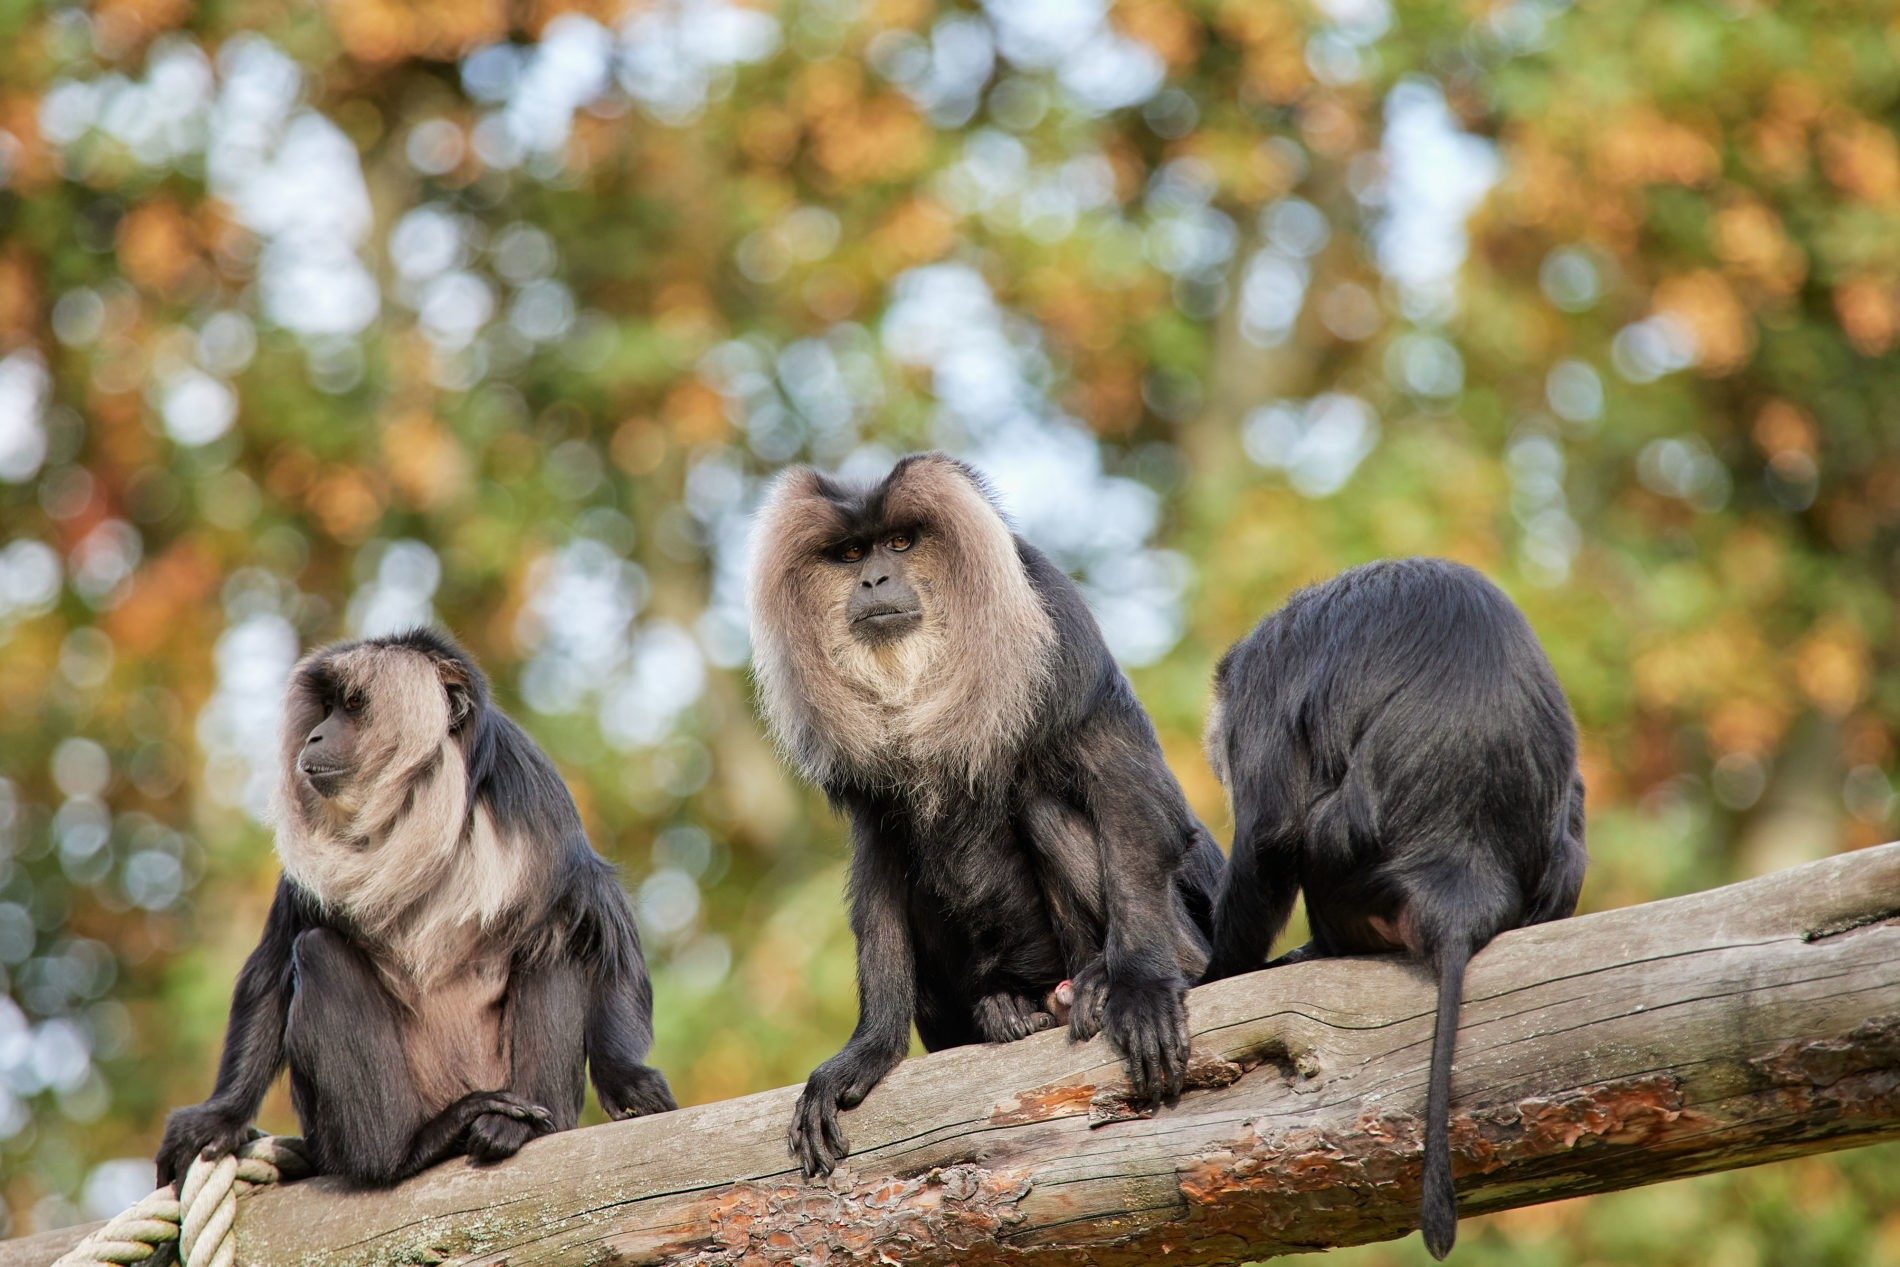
{"points": [[1147, 1023], [209, 1129], [1004, 1017], [817, 1142], [642, 1092], [1088, 1000]]}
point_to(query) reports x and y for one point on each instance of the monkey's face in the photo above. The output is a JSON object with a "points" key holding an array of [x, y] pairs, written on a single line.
{"points": [[894, 623], [882, 603], [358, 711], [329, 751]]}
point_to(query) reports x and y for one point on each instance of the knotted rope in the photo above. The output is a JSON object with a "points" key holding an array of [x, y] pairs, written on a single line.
{"points": [[199, 1216]]}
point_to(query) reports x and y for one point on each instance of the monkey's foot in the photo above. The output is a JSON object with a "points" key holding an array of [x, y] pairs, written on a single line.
{"points": [[1088, 1001], [493, 1138], [508, 1122], [641, 1092], [1005, 1017]]}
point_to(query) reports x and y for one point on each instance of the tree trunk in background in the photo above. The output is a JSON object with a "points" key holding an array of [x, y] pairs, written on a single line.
{"points": [[1748, 1024]]}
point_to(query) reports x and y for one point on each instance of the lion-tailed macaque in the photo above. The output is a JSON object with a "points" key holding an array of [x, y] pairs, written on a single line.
{"points": [[1018, 846], [445, 953], [1398, 749]]}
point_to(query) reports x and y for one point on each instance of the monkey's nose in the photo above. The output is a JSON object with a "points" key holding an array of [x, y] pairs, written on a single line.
{"points": [[872, 582]]}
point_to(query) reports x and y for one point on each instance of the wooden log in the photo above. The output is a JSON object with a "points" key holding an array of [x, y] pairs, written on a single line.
{"points": [[1744, 1025]]}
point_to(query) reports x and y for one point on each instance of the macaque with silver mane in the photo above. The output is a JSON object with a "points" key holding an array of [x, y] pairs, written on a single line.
{"points": [[1018, 844], [445, 954]]}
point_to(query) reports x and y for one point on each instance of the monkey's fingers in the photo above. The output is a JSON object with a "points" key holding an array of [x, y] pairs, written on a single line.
{"points": [[1148, 1025], [795, 1144], [507, 1104], [193, 1133], [1149, 1060], [837, 1147], [1169, 1066], [1171, 1040], [1174, 1047], [1088, 1004], [807, 1138], [1166, 1063], [172, 1166], [816, 1140]]}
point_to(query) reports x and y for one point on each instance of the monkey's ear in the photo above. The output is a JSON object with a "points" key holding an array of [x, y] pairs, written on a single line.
{"points": [[460, 690]]}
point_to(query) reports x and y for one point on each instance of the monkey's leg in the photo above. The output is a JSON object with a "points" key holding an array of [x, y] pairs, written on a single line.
{"points": [[1262, 881], [1068, 862], [1008, 972], [349, 1078], [546, 1020], [452, 1130], [618, 1005], [1560, 881]]}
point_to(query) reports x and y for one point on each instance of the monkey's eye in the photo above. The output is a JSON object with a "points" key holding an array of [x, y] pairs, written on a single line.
{"points": [[353, 701], [901, 542], [851, 554]]}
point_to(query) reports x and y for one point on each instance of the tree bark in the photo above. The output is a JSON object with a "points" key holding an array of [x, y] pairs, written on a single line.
{"points": [[1744, 1025]]}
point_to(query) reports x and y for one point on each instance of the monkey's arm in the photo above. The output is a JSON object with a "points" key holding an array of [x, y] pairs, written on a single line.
{"points": [[620, 1010], [1263, 877], [887, 998], [253, 1047], [1137, 991]]}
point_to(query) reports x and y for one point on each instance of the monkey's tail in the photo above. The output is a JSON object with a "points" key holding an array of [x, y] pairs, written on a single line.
{"points": [[1438, 1215]]}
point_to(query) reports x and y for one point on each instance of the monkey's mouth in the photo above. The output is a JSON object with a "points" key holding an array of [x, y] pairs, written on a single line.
{"points": [[324, 780], [885, 620]]}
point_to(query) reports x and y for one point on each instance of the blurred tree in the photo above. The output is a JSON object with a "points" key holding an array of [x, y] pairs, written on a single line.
{"points": [[319, 321]]}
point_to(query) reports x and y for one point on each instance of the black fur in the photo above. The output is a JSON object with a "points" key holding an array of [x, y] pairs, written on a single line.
{"points": [[967, 918], [1397, 748], [310, 995]]}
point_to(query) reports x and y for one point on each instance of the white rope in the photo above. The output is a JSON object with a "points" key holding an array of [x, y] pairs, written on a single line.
{"points": [[198, 1217]]}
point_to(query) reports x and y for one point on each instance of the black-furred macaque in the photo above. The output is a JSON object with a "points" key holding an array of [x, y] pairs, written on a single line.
{"points": [[1398, 749], [446, 951], [1013, 825]]}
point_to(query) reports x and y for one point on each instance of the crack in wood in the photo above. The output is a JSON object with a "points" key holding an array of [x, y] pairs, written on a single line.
{"points": [[1851, 924]]}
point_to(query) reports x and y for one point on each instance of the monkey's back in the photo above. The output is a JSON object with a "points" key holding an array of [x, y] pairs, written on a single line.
{"points": [[1405, 710]]}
